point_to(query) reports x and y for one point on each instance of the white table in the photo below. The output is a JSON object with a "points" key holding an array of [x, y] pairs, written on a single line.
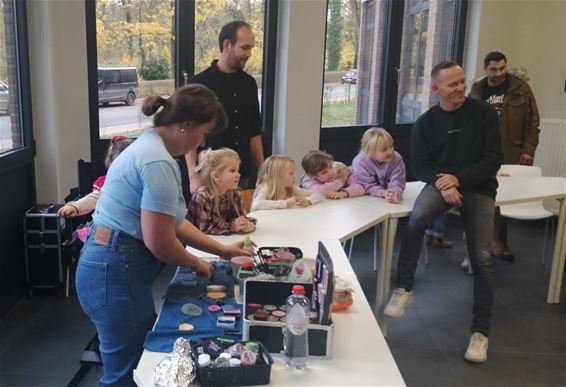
{"points": [[515, 190], [336, 221], [330, 219], [360, 354]]}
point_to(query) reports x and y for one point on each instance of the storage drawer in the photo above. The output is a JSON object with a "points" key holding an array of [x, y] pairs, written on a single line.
{"points": [[44, 266], [36, 238]]}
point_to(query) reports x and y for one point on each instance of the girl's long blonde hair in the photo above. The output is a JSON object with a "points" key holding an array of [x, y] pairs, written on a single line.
{"points": [[212, 162], [271, 176], [375, 139]]}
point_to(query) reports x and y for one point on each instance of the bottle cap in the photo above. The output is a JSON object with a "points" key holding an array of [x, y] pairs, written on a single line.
{"points": [[298, 289]]}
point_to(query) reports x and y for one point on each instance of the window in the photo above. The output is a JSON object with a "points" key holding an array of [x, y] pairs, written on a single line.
{"points": [[165, 42], [13, 63], [210, 16], [391, 47], [424, 43], [135, 47]]}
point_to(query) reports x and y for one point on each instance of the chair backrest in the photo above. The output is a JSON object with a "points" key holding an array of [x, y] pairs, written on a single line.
{"points": [[88, 172], [520, 170], [247, 196]]}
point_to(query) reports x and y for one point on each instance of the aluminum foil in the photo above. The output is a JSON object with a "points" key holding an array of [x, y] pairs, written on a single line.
{"points": [[177, 369]]}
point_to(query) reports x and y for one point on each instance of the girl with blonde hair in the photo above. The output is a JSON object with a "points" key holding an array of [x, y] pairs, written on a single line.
{"points": [[378, 168], [216, 206], [276, 186]]}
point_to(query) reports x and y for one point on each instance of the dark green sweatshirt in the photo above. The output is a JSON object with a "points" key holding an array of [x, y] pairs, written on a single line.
{"points": [[464, 142]]}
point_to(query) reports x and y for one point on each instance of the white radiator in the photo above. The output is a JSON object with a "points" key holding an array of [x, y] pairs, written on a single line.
{"points": [[550, 155]]}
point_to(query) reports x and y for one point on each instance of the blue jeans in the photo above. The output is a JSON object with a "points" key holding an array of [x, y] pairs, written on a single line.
{"points": [[477, 214], [113, 283], [438, 226]]}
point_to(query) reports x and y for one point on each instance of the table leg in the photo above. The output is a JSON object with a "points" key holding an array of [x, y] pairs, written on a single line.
{"points": [[558, 257], [389, 230], [379, 296]]}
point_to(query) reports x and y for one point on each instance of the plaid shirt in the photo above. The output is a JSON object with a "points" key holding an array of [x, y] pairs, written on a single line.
{"points": [[202, 215]]}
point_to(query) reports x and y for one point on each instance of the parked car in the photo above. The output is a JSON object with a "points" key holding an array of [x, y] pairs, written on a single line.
{"points": [[351, 76], [118, 84], [4, 97]]}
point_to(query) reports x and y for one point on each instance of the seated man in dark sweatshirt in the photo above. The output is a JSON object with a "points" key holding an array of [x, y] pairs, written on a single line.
{"points": [[456, 150]]}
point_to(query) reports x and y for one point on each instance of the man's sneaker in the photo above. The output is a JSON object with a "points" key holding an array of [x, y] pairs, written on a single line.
{"points": [[466, 265], [477, 350], [398, 302]]}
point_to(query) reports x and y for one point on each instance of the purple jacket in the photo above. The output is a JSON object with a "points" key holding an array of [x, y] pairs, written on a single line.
{"points": [[376, 177]]}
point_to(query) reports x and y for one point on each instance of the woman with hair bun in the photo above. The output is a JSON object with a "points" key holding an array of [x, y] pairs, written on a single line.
{"points": [[139, 222]]}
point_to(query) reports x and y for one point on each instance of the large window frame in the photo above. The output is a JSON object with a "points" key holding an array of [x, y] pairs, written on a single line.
{"points": [[389, 64], [184, 66], [24, 154]]}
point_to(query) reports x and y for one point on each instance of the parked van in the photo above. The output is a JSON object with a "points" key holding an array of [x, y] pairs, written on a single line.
{"points": [[117, 84]]}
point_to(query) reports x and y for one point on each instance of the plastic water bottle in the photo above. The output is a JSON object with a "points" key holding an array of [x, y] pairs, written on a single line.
{"points": [[296, 342]]}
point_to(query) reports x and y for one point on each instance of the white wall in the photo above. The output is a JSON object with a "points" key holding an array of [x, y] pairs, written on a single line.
{"points": [[58, 70], [298, 85], [532, 34]]}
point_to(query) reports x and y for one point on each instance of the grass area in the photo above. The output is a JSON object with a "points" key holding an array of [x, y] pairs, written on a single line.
{"points": [[128, 133], [338, 114]]}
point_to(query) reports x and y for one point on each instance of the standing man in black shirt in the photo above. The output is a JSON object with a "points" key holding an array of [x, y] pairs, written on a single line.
{"points": [[519, 123], [456, 151], [237, 91]]}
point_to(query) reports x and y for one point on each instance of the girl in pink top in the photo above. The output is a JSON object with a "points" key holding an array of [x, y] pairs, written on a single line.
{"points": [[331, 178]]}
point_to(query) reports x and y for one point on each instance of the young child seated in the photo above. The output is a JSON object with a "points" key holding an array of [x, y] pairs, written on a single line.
{"points": [[378, 168], [331, 178], [216, 206], [87, 203], [276, 186]]}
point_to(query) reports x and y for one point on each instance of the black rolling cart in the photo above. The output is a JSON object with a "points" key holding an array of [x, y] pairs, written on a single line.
{"points": [[47, 265]]}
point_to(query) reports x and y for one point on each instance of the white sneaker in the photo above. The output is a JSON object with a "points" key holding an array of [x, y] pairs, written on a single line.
{"points": [[398, 302], [477, 350], [466, 265]]}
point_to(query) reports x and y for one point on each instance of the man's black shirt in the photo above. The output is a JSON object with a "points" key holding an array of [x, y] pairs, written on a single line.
{"points": [[238, 94]]}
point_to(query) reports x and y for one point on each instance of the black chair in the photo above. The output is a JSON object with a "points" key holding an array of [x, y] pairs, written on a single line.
{"points": [[88, 172]]}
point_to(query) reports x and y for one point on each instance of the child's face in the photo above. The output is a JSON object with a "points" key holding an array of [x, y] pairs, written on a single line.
{"points": [[326, 175], [230, 176], [290, 176], [383, 154]]}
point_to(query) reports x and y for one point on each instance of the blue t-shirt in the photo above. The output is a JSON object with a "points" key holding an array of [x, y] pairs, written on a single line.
{"points": [[144, 176]]}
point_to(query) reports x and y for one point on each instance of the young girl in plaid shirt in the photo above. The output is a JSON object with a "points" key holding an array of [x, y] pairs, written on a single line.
{"points": [[216, 206]]}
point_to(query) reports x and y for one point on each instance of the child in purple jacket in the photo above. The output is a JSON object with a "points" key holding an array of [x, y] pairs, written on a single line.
{"points": [[378, 168], [331, 178]]}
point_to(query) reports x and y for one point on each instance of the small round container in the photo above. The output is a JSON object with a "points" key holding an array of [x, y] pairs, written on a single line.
{"points": [[279, 313], [237, 262], [261, 315]]}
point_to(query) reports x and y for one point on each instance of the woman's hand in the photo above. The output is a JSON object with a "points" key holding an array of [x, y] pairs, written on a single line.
{"points": [[68, 211], [235, 250], [205, 269]]}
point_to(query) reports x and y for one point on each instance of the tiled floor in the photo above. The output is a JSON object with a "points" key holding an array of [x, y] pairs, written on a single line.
{"points": [[42, 338]]}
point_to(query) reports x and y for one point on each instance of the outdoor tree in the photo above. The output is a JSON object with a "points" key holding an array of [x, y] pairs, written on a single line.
{"points": [[334, 38]]}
